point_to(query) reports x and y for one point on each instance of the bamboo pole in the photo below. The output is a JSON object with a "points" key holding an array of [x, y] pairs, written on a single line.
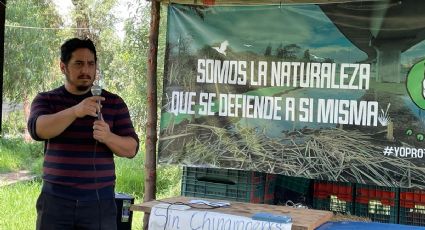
{"points": [[151, 131], [2, 24], [390, 131]]}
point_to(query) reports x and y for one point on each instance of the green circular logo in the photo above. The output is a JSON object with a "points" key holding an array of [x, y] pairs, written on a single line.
{"points": [[415, 84]]}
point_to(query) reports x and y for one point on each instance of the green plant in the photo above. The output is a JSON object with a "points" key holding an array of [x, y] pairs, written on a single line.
{"points": [[168, 181], [13, 123], [130, 175], [17, 155], [18, 205]]}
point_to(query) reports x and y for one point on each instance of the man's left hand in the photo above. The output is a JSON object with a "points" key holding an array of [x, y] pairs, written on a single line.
{"points": [[101, 131]]}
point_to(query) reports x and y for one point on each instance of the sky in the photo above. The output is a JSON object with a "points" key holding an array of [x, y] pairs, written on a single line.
{"points": [[63, 6], [248, 28]]}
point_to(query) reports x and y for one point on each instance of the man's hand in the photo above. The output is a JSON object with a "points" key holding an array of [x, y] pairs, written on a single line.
{"points": [[101, 131], [88, 106], [123, 146], [51, 125]]}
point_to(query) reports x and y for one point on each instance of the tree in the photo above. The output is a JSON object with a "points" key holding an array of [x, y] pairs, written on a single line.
{"points": [[31, 45], [280, 51], [95, 20], [291, 51], [122, 63], [134, 52], [81, 18], [268, 51], [307, 57], [32, 63], [329, 60]]}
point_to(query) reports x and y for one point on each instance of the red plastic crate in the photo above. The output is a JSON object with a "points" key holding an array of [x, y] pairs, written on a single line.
{"points": [[409, 198], [412, 207], [333, 196], [364, 195], [378, 203], [324, 189]]}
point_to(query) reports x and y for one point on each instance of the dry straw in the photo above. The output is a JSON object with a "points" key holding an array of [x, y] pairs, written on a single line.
{"points": [[330, 154]]}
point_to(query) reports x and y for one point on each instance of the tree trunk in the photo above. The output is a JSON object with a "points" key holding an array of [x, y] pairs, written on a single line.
{"points": [[81, 19]]}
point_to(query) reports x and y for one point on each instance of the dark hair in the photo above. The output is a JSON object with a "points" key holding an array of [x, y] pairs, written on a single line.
{"points": [[69, 46]]}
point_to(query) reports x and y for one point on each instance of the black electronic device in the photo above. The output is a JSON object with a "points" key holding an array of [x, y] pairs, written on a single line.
{"points": [[124, 215]]}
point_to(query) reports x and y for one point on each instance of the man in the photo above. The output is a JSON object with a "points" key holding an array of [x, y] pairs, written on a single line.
{"points": [[80, 135]]}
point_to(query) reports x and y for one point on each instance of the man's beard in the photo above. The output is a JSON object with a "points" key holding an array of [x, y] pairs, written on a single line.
{"points": [[81, 88]]}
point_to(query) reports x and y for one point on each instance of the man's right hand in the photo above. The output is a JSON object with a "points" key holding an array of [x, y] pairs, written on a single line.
{"points": [[88, 106], [51, 125]]}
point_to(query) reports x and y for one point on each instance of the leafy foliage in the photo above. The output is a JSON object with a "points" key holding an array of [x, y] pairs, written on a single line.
{"points": [[32, 65], [131, 78], [17, 155], [30, 48]]}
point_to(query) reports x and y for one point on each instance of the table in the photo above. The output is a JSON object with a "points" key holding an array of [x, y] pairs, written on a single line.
{"points": [[303, 219]]}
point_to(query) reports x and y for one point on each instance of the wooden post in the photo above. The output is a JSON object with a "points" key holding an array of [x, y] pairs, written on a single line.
{"points": [[2, 26], [151, 131]]}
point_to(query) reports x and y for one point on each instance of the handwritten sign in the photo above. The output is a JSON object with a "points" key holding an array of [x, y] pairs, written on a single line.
{"points": [[173, 217]]}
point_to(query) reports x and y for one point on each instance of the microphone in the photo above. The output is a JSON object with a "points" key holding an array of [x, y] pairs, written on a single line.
{"points": [[96, 90]]}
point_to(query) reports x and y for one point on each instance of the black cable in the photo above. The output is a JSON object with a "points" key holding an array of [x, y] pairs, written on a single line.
{"points": [[95, 182], [96, 90], [208, 206], [182, 203]]}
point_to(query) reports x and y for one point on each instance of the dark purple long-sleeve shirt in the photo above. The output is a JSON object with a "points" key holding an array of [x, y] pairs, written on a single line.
{"points": [[76, 166]]}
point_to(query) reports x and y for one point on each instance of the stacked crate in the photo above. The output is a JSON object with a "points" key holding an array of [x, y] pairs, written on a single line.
{"points": [[378, 203], [293, 190], [333, 196], [270, 188], [412, 207], [224, 184]]}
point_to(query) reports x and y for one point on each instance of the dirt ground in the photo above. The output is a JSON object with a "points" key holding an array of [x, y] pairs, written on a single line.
{"points": [[14, 177]]}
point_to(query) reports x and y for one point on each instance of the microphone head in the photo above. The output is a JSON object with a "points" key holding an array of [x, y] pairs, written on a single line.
{"points": [[96, 90]]}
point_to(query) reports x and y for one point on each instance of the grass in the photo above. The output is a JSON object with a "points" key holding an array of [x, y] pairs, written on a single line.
{"points": [[17, 201], [18, 205], [17, 154]]}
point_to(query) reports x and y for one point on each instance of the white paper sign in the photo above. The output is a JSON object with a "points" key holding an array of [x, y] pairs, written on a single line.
{"points": [[166, 217]]}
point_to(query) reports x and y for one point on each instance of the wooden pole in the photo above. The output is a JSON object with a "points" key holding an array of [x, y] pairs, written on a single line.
{"points": [[151, 131], [2, 26]]}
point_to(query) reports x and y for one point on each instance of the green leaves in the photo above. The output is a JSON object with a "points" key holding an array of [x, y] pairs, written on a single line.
{"points": [[30, 47], [35, 31]]}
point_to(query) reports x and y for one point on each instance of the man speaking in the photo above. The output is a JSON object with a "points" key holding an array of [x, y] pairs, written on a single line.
{"points": [[81, 132]]}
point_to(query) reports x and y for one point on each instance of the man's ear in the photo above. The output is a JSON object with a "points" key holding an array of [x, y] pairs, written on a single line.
{"points": [[62, 65]]}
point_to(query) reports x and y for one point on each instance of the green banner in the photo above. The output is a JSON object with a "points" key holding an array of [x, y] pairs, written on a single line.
{"points": [[329, 91]]}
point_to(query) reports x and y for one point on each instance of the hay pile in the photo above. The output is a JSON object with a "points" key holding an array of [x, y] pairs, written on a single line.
{"points": [[330, 154]]}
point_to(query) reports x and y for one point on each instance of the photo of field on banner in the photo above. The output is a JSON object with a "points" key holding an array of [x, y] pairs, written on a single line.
{"points": [[299, 90]]}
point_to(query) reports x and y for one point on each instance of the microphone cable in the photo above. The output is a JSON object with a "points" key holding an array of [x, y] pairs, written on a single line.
{"points": [[95, 183], [96, 90]]}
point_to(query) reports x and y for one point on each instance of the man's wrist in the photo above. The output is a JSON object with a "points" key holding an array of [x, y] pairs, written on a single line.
{"points": [[74, 112]]}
